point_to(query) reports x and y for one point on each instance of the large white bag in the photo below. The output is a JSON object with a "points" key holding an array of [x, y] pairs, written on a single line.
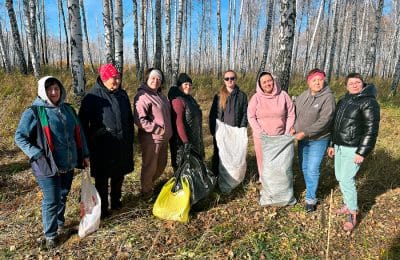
{"points": [[232, 144], [90, 207], [277, 175]]}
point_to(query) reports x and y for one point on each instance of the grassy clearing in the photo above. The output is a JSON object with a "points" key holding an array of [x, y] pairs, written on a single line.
{"points": [[228, 226]]}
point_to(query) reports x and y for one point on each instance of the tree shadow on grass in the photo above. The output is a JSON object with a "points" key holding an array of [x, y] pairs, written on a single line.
{"points": [[377, 175], [394, 250]]}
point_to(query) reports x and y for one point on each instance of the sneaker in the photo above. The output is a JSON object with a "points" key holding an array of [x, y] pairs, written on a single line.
{"points": [[47, 243], [310, 207], [116, 205], [105, 214], [147, 196]]}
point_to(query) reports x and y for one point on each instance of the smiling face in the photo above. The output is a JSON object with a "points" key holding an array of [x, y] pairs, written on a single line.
{"points": [[154, 82], [315, 84], [186, 87], [354, 85], [230, 80], [53, 92], [267, 83], [112, 83]]}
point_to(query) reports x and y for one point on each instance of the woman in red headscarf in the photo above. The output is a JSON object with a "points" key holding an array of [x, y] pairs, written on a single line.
{"points": [[107, 120]]}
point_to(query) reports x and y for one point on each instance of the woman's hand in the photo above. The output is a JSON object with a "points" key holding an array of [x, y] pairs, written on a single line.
{"points": [[86, 162], [358, 159], [292, 131], [299, 136], [331, 152]]}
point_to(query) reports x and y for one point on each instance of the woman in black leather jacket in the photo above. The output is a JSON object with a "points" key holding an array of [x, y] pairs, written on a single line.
{"points": [[354, 135]]}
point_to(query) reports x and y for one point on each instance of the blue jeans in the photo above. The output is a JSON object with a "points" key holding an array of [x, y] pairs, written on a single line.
{"points": [[55, 190], [311, 153]]}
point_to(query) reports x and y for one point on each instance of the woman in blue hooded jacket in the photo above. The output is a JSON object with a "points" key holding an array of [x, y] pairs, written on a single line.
{"points": [[49, 133]]}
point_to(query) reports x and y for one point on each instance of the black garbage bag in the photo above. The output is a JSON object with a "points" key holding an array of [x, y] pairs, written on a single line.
{"points": [[201, 180]]}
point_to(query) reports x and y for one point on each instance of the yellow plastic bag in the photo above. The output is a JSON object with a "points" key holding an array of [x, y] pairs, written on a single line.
{"points": [[173, 205]]}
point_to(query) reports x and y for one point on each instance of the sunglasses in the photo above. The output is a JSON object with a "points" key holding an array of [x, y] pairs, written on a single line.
{"points": [[231, 78]]}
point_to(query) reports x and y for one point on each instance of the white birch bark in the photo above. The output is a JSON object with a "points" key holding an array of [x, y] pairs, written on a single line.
{"points": [[4, 56], [219, 63], [119, 36], [351, 56], [22, 66], [139, 74], [332, 43], [143, 35], [61, 9], [158, 43], [168, 55], [267, 36], [82, 6], [371, 54], [107, 17], [286, 37], [77, 65], [30, 22], [178, 38]]}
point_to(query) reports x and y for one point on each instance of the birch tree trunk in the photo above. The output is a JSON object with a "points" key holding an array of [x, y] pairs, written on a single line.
{"points": [[77, 68], [108, 31], [228, 37], [351, 60], [45, 51], [332, 44], [371, 54], [4, 57], [82, 5], [30, 26], [168, 57], [61, 8], [286, 37], [315, 32], [189, 57], [16, 38], [396, 77], [143, 37], [158, 39], [139, 75], [119, 37], [219, 63], [178, 38], [267, 37]]}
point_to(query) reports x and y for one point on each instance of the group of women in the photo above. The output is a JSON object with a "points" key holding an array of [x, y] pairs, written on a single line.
{"points": [[57, 140]]}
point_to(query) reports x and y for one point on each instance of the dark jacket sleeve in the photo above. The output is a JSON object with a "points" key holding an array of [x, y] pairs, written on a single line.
{"points": [[371, 118], [212, 118], [243, 112]]}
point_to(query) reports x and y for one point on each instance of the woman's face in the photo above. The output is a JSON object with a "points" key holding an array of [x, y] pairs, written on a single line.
{"points": [[230, 80], [112, 83], [354, 85], [267, 83], [53, 92], [315, 84], [186, 88], [154, 82]]}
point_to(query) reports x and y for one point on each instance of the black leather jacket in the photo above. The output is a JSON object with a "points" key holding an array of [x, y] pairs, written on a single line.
{"points": [[357, 121]]}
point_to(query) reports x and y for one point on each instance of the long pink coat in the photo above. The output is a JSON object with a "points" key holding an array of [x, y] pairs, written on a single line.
{"points": [[272, 114]]}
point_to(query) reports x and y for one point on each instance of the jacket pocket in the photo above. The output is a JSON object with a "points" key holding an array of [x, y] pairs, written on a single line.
{"points": [[41, 168]]}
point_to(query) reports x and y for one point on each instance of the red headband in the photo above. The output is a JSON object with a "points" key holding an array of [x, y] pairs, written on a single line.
{"points": [[317, 73], [108, 71]]}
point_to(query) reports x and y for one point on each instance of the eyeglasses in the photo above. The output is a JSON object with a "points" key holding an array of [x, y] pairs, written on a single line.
{"points": [[229, 78]]}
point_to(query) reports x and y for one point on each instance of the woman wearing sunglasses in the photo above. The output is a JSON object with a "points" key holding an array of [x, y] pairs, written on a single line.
{"points": [[229, 107]]}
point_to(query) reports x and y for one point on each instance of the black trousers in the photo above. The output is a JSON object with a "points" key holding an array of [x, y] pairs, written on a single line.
{"points": [[101, 183]]}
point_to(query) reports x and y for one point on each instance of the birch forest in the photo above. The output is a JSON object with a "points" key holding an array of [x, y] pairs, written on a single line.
{"points": [[285, 37]]}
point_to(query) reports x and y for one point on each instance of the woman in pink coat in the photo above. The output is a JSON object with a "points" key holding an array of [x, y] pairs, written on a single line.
{"points": [[270, 111]]}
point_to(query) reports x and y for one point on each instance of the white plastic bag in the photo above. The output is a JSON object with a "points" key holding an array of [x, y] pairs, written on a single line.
{"points": [[90, 207], [232, 145]]}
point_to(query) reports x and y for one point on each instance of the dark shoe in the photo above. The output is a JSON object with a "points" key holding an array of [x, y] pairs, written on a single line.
{"points": [[48, 243], [105, 214], [310, 207], [147, 196], [116, 205]]}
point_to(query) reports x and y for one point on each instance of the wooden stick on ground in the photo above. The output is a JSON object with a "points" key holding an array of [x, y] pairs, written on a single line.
{"points": [[329, 225]]}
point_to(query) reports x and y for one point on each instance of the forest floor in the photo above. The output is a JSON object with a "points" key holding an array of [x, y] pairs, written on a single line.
{"points": [[227, 226]]}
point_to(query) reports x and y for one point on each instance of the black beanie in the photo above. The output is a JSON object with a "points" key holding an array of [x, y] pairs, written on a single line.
{"points": [[182, 78]]}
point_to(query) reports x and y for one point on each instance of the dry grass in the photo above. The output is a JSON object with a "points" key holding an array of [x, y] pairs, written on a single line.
{"points": [[228, 226]]}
